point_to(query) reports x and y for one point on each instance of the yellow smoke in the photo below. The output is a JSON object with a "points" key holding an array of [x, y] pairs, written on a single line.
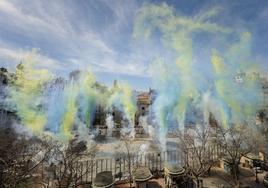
{"points": [[84, 85], [218, 64], [122, 95], [128, 102], [240, 98], [87, 89], [177, 34], [26, 93], [221, 85]]}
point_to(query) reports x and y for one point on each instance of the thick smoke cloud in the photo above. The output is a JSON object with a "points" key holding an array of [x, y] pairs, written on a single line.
{"points": [[231, 87], [46, 103], [26, 94], [188, 90]]}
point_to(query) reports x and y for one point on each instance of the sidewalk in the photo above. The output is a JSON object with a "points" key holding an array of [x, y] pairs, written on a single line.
{"points": [[219, 178], [248, 176]]}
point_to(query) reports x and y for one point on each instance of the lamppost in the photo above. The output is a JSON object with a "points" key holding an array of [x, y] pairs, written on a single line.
{"points": [[256, 173], [256, 165]]}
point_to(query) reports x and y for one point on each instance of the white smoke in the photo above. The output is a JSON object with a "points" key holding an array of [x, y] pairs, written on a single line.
{"points": [[148, 128], [151, 131], [210, 105], [143, 123], [128, 132], [85, 135], [206, 107], [143, 149], [110, 125], [21, 130]]}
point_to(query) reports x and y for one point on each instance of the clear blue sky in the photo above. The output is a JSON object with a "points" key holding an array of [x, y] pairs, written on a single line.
{"points": [[77, 34]]}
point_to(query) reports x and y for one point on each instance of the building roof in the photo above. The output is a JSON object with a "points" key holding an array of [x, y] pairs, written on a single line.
{"points": [[174, 169], [104, 179], [144, 98], [142, 174]]}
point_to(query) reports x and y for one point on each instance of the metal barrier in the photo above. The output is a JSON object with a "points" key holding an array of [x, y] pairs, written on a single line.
{"points": [[120, 165]]}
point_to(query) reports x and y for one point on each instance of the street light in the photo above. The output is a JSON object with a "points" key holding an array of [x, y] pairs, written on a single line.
{"points": [[256, 164], [256, 173]]}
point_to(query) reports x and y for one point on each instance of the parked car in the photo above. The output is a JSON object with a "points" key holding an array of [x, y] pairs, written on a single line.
{"points": [[260, 164], [257, 163], [265, 180]]}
